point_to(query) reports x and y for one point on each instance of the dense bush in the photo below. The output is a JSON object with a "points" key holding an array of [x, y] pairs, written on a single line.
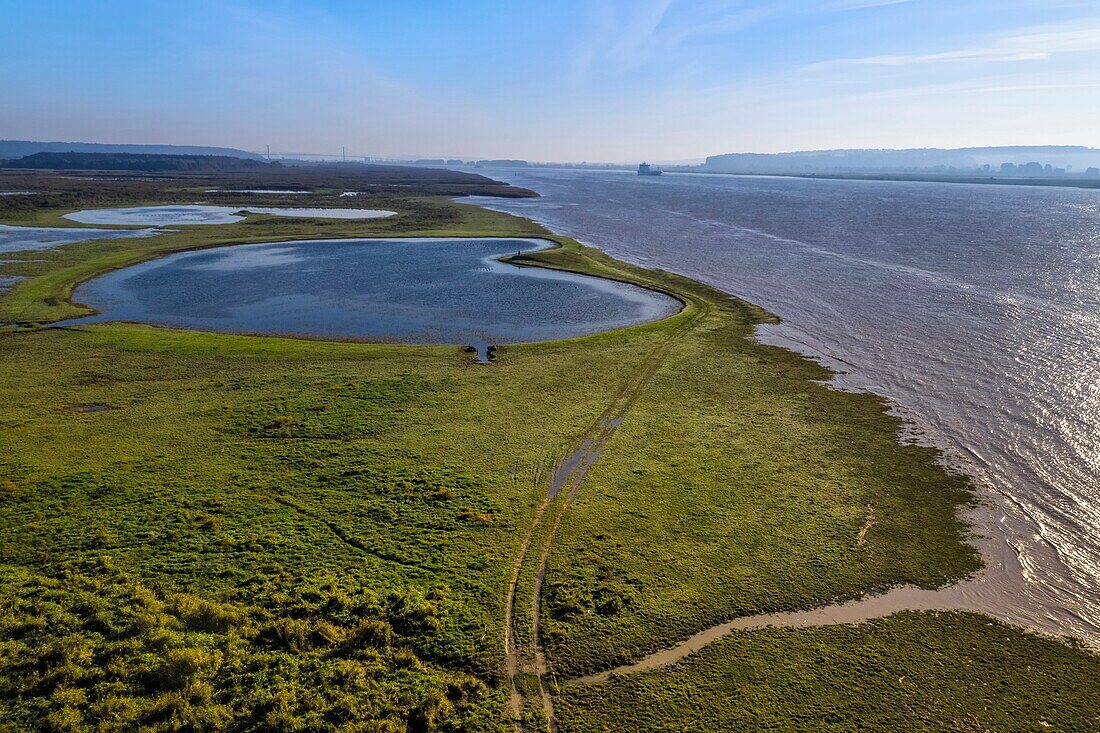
{"points": [[96, 649]]}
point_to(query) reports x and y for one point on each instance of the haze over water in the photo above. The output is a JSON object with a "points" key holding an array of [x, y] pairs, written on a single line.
{"points": [[975, 308]]}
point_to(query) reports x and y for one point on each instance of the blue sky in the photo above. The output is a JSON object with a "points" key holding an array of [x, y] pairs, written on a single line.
{"points": [[563, 80]]}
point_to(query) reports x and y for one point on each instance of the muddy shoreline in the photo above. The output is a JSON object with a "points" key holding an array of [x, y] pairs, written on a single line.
{"points": [[1000, 590]]}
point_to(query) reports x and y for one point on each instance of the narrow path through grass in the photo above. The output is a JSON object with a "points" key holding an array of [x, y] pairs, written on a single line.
{"points": [[526, 661]]}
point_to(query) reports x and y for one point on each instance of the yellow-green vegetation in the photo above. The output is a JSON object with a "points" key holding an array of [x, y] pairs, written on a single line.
{"points": [[738, 485], [303, 490], [913, 672], [214, 532]]}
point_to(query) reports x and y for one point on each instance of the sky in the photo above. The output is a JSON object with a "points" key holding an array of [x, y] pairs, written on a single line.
{"points": [[561, 80]]}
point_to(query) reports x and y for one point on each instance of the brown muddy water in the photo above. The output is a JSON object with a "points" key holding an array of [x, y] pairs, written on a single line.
{"points": [[974, 309]]}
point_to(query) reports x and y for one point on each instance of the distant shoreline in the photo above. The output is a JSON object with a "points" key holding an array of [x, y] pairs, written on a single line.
{"points": [[1084, 183], [1091, 183]]}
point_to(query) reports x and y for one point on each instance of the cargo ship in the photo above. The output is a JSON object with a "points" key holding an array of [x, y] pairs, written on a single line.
{"points": [[645, 169]]}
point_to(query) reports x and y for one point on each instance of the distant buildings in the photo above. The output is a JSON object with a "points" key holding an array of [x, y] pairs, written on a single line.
{"points": [[1038, 169], [983, 161], [502, 163]]}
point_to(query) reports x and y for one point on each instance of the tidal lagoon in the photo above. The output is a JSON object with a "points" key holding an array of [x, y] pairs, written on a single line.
{"points": [[427, 291], [203, 214]]}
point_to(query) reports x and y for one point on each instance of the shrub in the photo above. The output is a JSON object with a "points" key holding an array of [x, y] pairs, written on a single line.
{"points": [[198, 614], [372, 633], [291, 634], [412, 614], [434, 708], [476, 517], [326, 633], [65, 719], [182, 665]]}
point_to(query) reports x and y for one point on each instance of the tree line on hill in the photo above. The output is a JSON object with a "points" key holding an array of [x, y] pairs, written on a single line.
{"points": [[139, 162]]}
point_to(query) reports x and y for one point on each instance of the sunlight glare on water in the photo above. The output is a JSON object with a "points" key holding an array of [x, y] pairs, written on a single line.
{"points": [[974, 308]]}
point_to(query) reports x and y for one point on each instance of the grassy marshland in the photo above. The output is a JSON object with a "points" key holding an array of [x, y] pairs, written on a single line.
{"points": [[212, 532], [913, 672]]}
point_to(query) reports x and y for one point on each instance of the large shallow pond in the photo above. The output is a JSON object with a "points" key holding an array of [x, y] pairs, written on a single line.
{"points": [[203, 214], [428, 291]]}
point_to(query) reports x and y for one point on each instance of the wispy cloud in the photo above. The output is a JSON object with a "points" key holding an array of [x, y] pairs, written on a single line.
{"points": [[1000, 88], [1033, 44], [721, 19], [622, 36], [840, 5]]}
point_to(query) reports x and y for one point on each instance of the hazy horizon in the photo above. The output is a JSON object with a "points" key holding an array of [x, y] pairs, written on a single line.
{"points": [[664, 80]]}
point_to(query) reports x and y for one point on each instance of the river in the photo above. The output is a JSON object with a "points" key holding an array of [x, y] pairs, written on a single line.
{"points": [[974, 308]]}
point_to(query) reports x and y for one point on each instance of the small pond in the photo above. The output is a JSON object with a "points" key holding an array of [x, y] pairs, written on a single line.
{"points": [[203, 214], [20, 239], [425, 291]]}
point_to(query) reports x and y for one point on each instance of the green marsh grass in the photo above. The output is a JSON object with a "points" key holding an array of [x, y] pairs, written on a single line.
{"points": [[254, 533]]}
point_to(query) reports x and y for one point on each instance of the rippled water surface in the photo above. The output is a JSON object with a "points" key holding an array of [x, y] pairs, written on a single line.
{"points": [[976, 308], [432, 291]]}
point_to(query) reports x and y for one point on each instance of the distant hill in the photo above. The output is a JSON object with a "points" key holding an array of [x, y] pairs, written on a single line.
{"points": [[139, 162], [1071, 157], [12, 149]]}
